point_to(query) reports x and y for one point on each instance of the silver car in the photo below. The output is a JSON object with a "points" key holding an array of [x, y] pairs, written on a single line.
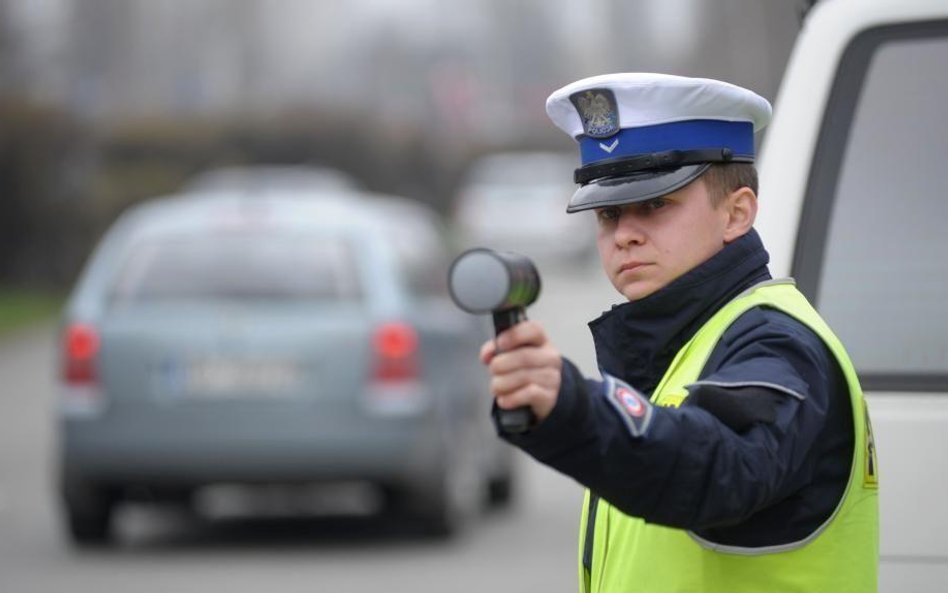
{"points": [[225, 339], [517, 201]]}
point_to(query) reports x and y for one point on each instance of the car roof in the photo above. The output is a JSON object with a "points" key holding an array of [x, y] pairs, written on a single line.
{"points": [[283, 209], [341, 213], [263, 177]]}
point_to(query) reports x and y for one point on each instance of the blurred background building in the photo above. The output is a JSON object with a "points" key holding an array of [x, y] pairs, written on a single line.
{"points": [[106, 102]]}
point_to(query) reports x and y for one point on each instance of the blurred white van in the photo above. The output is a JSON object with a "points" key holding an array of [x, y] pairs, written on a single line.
{"points": [[854, 206]]}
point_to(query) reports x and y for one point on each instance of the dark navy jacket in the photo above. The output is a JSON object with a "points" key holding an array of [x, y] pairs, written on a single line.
{"points": [[759, 453]]}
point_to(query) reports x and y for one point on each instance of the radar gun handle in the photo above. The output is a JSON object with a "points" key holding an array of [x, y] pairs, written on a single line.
{"points": [[518, 420]]}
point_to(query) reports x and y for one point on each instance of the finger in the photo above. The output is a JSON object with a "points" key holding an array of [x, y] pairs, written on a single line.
{"points": [[525, 358], [525, 333], [506, 384], [532, 396]]}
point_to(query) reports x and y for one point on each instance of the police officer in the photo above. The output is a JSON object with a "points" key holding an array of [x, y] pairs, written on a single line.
{"points": [[728, 447]]}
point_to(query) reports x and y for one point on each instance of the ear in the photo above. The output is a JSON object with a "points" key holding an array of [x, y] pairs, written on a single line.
{"points": [[740, 207]]}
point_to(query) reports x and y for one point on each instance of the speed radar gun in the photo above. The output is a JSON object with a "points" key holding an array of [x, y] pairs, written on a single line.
{"points": [[503, 284]]}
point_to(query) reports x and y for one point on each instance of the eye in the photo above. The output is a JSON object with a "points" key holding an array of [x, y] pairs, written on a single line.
{"points": [[655, 204], [650, 206], [610, 214]]}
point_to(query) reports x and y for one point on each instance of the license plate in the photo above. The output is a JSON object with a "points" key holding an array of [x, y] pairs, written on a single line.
{"points": [[226, 377]]}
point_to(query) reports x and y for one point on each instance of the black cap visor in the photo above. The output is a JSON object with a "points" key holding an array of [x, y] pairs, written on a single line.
{"points": [[637, 187]]}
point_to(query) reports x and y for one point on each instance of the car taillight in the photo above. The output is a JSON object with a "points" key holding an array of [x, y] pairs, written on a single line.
{"points": [[81, 346], [396, 353]]}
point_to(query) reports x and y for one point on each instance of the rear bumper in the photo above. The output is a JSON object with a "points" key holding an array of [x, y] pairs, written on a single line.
{"points": [[384, 450]]}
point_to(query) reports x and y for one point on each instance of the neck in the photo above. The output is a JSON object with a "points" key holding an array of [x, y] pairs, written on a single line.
{"points": [[638, 339]]}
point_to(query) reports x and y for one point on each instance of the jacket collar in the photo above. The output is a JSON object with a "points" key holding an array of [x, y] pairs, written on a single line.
{"points": [[637, 340]]}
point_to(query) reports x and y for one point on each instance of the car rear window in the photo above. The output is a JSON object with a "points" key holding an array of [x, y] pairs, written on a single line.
{"points": [[873, 251], [246, 266]]}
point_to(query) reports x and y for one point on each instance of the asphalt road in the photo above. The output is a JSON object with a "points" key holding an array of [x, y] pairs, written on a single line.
{"points": [[529, 548]]}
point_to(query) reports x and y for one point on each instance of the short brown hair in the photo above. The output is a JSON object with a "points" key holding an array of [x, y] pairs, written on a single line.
{"points": [[723, 178]]}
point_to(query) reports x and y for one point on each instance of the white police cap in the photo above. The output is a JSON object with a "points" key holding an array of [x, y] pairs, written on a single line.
{"points": [[643, 135]]}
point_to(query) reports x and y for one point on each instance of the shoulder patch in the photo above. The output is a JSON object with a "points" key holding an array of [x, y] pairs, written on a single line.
{"points": [[633, 407]]}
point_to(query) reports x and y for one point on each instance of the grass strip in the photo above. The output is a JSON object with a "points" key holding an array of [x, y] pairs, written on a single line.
{"points": [[21, 308]]}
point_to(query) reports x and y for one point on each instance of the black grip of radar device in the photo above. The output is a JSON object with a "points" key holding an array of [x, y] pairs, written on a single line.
{"points": [[518, 420], [503, 284]]}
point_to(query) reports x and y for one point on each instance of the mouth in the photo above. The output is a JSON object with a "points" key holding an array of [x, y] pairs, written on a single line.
{"points": [[629, 266]]}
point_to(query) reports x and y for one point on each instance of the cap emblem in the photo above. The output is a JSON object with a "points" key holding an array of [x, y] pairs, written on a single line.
{"points": [[598, 112]]}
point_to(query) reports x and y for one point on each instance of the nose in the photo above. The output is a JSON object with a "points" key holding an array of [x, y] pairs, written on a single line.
{"points": [[628, 230]]}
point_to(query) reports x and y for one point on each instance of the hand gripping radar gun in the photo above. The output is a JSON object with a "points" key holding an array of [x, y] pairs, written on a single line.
{"points": [[502, 283]]}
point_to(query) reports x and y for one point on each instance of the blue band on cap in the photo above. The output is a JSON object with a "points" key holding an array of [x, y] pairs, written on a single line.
{"points": [[693, 134]]}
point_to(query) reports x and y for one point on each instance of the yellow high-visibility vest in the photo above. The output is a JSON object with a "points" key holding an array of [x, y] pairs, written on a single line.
{"points": [[630, 555]]}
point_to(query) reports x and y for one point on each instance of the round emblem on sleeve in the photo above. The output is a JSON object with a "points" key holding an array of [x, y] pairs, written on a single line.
{"points": [[630, 401], [632, 407]]}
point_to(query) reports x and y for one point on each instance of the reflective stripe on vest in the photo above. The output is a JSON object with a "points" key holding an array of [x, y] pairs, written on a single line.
{"points": [[841, 556]]}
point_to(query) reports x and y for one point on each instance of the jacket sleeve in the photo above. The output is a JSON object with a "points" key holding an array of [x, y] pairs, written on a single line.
{"points": [[710, 462]]}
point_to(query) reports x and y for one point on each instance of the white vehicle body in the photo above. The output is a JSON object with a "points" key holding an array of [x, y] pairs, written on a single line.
{"points": [[853, 206]]}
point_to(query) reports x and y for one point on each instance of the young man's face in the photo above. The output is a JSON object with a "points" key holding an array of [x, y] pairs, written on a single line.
{"points": [[646, 245]]}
